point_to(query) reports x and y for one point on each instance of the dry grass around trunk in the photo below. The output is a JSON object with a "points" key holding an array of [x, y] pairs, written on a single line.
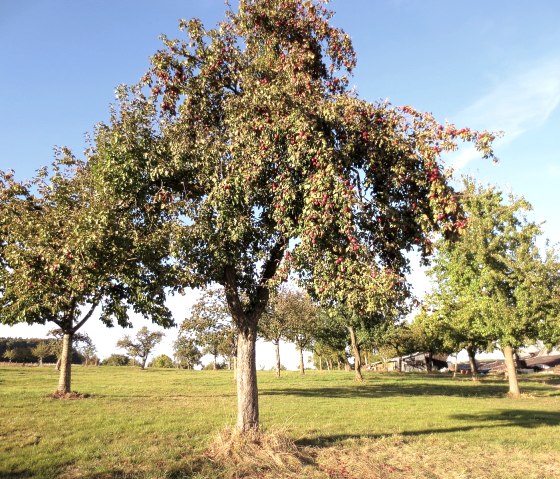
{"points": [[69, 396], [257, 454], [274, 456]]}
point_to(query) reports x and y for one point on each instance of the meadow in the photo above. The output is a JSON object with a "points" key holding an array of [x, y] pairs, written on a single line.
{"points": [[169, 423]]}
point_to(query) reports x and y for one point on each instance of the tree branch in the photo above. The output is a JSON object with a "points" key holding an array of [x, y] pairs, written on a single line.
{"points": [[85, 318]]}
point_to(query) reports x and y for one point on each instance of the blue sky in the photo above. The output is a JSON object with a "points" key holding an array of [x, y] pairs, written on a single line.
{"points": [[492, 65]]}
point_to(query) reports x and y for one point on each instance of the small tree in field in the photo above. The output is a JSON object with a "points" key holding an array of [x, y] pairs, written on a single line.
{"points": [[66, 250], [251, 137], [292, 316], [209, 324], [42, 350], [10, 354], [143, 344], [186, 352], [162, 361]]}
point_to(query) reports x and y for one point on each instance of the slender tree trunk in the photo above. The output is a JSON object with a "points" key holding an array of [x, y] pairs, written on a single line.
{"points": [[40, 362], [301, 364], [456, 365], [144, 360], [235, 368], [429, 362], [64, 379], [247, 392], [511, 372], [320, 363], [356, 353], [474, 369], [215, 362], [278, 365]]}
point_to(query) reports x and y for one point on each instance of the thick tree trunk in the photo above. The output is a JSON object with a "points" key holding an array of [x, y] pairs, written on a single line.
{"points": [[64, 379], [356, 353], [278, 365], [301, 364], [474, 369], [144, 360], [511, 372], [247, 393]]}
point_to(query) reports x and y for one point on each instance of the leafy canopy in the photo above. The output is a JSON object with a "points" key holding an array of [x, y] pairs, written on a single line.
{"points": [[249, 137]]}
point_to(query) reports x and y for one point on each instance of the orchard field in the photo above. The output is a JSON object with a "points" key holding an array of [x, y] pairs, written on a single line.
{"points": [[162, 423]]}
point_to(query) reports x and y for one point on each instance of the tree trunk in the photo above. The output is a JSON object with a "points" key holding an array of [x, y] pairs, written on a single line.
{"points": [[301, 364], [144, 360], [278, 365], [64, 378], [511, 372], [456, 365], [356, 353], [474, 369], [215, 362], [247, 393], [40, 362], [320, 363], [429, 362]]}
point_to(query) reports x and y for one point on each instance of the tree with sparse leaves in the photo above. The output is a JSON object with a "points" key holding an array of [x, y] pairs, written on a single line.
{"points": [[142, 345], [493, 279], [250, 135]]}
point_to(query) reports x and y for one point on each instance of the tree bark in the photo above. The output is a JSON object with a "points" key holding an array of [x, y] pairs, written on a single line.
{"points": [[356, 353], [456, 365], [429, 362], [511, 372], [474, 369], [301, 364], [247, 392], [64, 379], [278, 365]]}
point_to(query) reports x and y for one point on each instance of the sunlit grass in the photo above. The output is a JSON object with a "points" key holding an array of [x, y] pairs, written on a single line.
{"points": [[158, 423]]}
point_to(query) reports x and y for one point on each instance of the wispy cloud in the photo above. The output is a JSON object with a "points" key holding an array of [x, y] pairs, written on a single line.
{"points": [[517, 104]]}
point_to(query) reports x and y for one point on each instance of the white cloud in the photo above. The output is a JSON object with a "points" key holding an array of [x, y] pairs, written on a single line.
{"points": [[517, 104]]}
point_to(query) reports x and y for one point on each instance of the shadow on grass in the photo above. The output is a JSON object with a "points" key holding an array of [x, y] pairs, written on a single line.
{"points": [[519, 418], [403, 387]]}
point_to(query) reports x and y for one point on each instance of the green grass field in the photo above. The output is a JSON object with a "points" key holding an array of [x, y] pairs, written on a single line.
{"points": [[160, 424]]}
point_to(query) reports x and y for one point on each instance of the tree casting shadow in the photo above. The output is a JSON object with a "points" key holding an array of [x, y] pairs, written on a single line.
{"points": [[523, 418]]}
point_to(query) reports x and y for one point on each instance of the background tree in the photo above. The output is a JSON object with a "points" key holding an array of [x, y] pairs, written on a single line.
{"points": [[186, 352], [272, 165], [89, 352], [42, 350], [162, 361], [66, 250], [143, 344], [10, 354], [274, 325], [300, 315], [493, 277], [116, 360], [210, 325], [393, 339], [431, 335]]}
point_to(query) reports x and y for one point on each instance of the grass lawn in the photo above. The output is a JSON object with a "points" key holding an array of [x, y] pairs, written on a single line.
{"points": [[160, 423]]}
